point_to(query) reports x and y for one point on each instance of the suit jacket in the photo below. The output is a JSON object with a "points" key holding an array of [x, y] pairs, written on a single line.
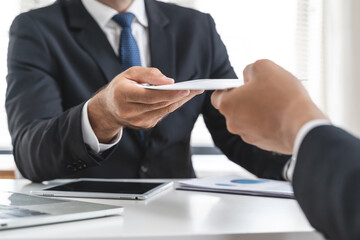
{"points": [[327, 180], [59, 57]]}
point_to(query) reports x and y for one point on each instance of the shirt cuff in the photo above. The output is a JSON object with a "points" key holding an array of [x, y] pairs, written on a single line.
{"points": [[89, 136], [304, 130]]}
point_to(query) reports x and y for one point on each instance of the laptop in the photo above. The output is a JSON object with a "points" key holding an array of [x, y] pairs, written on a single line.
{"points": [[22, 210]]}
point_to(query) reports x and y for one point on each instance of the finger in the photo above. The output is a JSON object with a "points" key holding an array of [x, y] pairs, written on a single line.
{"points": [[172, 107], [247, 73], [223, 100], [137, 115], [153, 117], [145, 107], [216, 98], [152, 76], [135, 94], [197, 92]]}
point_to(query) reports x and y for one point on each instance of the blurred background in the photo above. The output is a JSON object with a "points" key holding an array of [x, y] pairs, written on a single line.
{"points": [[317, 40]]}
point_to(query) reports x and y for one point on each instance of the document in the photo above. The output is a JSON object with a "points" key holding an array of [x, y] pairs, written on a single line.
{"points": [[199, 84], [238, 185]]}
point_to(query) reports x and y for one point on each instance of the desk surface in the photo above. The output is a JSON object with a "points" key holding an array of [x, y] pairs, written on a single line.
{"points": [[175, 214]]}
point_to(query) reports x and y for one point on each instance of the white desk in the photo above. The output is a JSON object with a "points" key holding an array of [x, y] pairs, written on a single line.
{"points": [[177, 215]]}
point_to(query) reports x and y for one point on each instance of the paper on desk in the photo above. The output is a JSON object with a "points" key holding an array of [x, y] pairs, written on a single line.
{"points": [[238, 185], [199, 84]]}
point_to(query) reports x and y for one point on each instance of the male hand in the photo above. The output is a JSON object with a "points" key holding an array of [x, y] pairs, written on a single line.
{"points": [[123, 104], [269, 110]]}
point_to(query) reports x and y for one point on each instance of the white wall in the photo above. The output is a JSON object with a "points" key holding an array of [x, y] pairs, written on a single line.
{"points": [[342, 57]]}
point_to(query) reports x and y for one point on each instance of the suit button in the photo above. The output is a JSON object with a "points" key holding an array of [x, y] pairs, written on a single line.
{"points": [[71, 167], [144, 169]]}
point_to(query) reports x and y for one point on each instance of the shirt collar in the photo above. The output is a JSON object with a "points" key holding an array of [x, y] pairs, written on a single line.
{"points": [[138, 9], [103, 13]]}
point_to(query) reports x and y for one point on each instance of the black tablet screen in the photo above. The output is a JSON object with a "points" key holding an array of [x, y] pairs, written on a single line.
{"points": [[106, 187]]}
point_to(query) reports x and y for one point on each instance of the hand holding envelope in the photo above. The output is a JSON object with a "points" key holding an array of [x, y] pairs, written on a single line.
{"points": [[121, 103]]}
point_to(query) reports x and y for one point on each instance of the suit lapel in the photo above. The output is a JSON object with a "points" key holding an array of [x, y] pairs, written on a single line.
{"points": [[91, 38], [161, 43], [89, 35]]}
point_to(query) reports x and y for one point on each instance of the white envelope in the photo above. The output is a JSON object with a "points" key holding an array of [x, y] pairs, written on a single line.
{"points": [[199, 84]]}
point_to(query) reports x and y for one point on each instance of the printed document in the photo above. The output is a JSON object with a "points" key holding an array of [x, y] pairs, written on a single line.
{"points": [[239, 185]]}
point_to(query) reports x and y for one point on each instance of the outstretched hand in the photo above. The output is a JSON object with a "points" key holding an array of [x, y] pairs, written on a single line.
{"points": [[123, 104], [269, 110]]}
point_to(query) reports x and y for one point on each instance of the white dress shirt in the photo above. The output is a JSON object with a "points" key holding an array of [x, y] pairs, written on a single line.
{"points": [[304, 130], [103, 16]]}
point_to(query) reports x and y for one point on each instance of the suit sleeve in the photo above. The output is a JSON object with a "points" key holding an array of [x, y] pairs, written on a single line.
{"points": [[47, 140], [326, 182], [261, 163]]}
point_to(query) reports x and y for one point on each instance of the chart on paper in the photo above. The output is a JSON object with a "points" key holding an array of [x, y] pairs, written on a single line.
{"points": [[239, 185]]}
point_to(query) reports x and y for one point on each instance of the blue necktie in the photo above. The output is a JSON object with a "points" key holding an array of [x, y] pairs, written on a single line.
{"points": [[129, 54], [128, 50]]}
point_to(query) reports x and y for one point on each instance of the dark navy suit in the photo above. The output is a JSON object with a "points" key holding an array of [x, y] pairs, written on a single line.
{"points": [[326, 182], [59, 57]]}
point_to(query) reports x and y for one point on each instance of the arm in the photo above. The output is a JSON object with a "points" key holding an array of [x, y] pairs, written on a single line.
{"points": [[47, 141], [326, 179], [262, 163], [327, 170]]}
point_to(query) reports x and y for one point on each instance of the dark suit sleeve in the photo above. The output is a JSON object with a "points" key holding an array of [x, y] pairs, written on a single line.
{"points": [[262, 163], [326, 182], [47, 140]]}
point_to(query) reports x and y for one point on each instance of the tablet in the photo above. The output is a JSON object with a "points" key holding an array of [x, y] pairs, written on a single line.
{"points": [[105, 188]]}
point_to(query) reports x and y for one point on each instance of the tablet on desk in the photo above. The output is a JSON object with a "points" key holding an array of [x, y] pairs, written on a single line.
{"points": [[105, 188]]}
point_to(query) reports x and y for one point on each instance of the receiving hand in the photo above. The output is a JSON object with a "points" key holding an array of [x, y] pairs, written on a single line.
{"points": [[269, 110], [123, 104]]}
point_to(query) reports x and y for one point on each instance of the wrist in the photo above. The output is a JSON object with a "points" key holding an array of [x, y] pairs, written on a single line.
{"points": [[101, 120], [300, 112]]}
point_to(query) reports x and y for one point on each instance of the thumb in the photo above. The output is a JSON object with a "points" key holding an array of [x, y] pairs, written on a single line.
{"points": [[151, 76], [216, 98], [247, 73]]}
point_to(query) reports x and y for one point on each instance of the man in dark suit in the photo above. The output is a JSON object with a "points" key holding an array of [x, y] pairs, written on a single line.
{"points": [[325, 167], [61, 55]]}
